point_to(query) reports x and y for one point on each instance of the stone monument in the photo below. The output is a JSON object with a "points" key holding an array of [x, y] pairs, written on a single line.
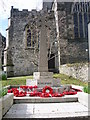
{"points": [[43, 77]]}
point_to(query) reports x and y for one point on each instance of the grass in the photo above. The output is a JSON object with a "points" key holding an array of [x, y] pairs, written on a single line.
{"points": [[64, 80], [16, 80]]}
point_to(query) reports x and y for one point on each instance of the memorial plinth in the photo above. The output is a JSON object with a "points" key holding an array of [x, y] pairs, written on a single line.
{"points": [[46, 78]]}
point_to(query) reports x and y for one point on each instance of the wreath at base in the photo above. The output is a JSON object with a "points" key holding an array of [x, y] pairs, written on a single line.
{"points": [[47, 89]]}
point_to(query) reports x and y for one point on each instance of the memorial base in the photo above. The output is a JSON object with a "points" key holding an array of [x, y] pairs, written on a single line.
{"points": [[42, 79]]}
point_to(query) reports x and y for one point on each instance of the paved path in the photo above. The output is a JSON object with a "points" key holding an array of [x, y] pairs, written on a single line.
{"points": [[48, 110]]}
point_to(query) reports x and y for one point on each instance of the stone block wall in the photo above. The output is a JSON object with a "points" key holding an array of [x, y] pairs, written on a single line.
{"points": [[74, 51], [0, 49], [77, 70], [19, 60]]}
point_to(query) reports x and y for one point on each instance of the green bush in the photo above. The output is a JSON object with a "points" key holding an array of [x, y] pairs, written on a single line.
{"points": [[4, 76], [87, 89], [3, 92]]}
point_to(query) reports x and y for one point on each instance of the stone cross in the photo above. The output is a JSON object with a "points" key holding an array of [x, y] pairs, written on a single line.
{"points": [[43, 58], [43, 77], [43, 24]]}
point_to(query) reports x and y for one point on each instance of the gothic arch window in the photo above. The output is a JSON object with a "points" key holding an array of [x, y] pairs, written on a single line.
{"points": [[28, 32], [32, 37], [76, 25], [86, 24], [81, 18], [80, 25]]}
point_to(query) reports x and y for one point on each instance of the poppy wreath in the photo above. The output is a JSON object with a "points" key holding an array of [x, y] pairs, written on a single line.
{"points": [[57, 95], [24, 87], [70, 92], [47, 88], [45, 95]]}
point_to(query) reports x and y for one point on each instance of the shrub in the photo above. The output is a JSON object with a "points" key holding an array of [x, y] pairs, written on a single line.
{"points": [[3, 92], [87, 89], [4, 76]]}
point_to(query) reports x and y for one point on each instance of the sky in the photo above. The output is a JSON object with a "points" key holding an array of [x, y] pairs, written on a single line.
{"points": [[5, 7]]}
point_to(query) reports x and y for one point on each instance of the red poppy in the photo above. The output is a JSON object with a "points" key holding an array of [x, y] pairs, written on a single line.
{"points": [[21, 95], [30, 87], [39, 94], [21, 87], [35, 86], [32, 94], [47, 95], [15, 92], [13, 89], [47, 89], [10, 91], [70, 92], [57, 95], [24, 87]]}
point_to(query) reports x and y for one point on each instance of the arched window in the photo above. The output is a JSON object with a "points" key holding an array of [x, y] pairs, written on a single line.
{"points": [[29, 43], [32, 37], [86, 24], [76, 25], [81, 18], [80, 25]]}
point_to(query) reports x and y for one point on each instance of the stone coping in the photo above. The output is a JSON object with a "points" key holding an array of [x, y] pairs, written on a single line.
{"points": [[64, 99]]}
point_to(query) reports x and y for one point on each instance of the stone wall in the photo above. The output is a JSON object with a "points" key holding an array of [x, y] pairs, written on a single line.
{"points": [[77, 70], [0, 49], [74, 51], [19, 60], [2, 46]]}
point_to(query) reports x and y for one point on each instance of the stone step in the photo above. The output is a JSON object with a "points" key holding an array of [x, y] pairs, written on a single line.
{"points": [[65, 99], [44, 111]]}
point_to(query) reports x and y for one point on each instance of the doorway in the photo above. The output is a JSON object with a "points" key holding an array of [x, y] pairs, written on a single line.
{"points": [[51, 63]]}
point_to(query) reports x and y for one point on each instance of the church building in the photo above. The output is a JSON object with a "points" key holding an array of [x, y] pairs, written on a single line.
{"points": [[67, 37]]}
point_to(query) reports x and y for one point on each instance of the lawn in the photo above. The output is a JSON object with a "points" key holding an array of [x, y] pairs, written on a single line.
{"points": [[16, 80], [22, 80], [65, 79]]}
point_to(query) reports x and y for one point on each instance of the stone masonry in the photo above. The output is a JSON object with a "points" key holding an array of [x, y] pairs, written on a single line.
{"points": [[23, 60]]}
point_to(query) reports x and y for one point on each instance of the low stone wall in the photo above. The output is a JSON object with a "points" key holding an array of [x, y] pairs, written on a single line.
{"points": [[77, 70], [5, 104]]}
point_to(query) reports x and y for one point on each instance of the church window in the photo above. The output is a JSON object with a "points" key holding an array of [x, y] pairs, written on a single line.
{"points": [[80, 25], [89, 17], [86, 24], [83, 7], [31, 37], [28, 37], [76, 25], [81, 19]]}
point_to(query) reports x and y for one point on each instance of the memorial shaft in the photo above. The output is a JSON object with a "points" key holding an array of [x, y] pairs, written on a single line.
{"points": [[43, 58]]}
